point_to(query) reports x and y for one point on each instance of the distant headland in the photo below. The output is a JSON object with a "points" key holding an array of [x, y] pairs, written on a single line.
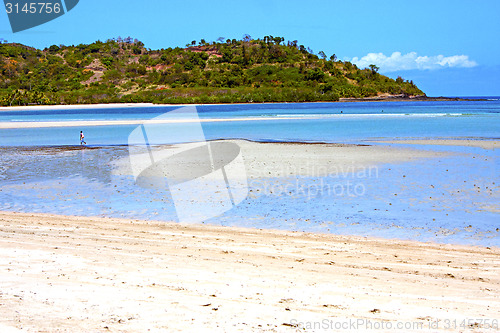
{"points": [[406, 98], [123, 70]]}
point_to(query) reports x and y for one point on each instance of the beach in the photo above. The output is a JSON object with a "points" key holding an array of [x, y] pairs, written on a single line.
{"points": [[347, 233], [80, 106], [81, 274]]}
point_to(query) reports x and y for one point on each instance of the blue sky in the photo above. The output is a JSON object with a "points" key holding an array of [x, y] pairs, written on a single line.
{"points": [[449, 48]]}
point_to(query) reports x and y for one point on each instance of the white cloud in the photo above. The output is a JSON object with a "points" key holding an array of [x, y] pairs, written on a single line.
{"points": [[398, 61]]}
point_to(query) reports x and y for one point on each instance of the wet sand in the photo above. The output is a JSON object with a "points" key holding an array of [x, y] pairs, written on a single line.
{"points": [[276, 159], [480, 143], [77, 274]]}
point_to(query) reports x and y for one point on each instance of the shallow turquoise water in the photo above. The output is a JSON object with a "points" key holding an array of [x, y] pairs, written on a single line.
{"points": [[446, 199], [357, 121]]}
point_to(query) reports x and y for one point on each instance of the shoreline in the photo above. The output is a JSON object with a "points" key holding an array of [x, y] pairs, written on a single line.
{"points": [[99, 274], [397, 98], [144, 105], [479, 142], [207, 227]]}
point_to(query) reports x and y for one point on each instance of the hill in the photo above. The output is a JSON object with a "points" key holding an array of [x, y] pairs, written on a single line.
{"points": [[230, 71]]}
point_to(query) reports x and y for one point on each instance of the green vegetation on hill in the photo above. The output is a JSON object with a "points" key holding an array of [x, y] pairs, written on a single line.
{"points": [[226, 71]]}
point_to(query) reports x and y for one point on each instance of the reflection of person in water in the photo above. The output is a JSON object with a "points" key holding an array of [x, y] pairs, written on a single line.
{"points": [[82, 138]]}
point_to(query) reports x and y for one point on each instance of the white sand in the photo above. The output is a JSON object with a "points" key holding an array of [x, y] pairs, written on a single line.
{"points": [[75, 274], [80, 106], [105, 106]]}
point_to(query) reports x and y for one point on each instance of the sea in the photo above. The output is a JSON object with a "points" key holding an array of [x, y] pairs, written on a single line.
{"points": [[446, 200]]}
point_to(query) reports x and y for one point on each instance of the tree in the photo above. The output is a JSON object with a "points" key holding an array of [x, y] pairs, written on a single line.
{"points": [[227, 54], [93, 48], [333, 57], [374, 69], [107, 61], [278, 40], [260, 70], [246, 57], [53, 48], [247, 38], [136, 50], [315, 75], [220, 39]]}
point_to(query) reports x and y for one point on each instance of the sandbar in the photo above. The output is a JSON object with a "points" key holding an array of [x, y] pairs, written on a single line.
{"points": [[288, 159]]}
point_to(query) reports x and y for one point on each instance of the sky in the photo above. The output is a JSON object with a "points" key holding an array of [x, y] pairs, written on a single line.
{"points": [[448, 48]]}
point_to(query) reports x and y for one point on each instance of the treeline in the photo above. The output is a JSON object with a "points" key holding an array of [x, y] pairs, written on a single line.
{"points": [[224, 71], [19, 97]]}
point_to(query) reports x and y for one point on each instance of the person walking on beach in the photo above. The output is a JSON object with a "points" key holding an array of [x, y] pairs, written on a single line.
{"points": [[82, 138]]}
